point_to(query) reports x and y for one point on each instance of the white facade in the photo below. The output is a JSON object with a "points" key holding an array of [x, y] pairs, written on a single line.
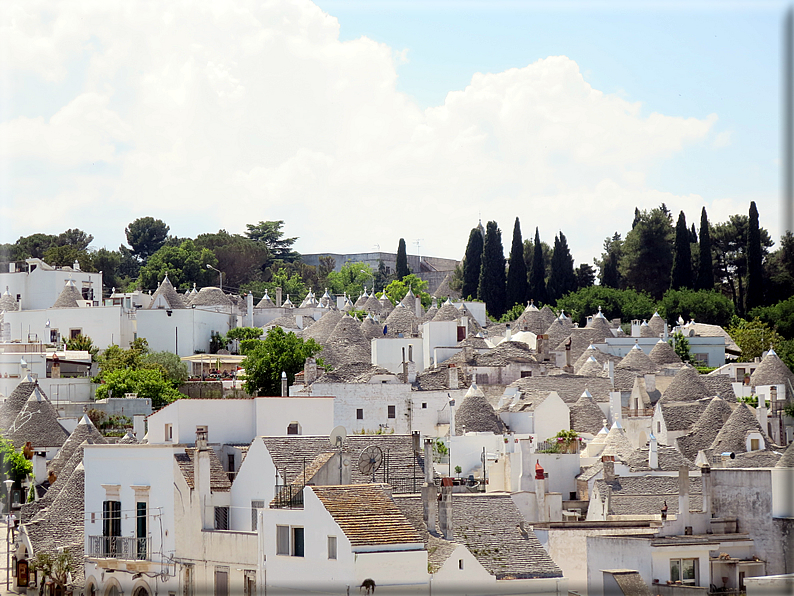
{"points": [[39, 289]]}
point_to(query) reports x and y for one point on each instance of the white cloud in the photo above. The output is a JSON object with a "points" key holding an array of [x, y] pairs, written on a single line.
{"points": [[723, 139], [219, 114]]}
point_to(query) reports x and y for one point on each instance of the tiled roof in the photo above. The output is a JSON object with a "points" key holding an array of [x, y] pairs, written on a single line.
{"points": [[787, 461], [645, 495], [733, 434], [289, 453], [69, 296], [171, 296], [669, 459], [705, 429], [366, 515], [475, 414], [772, 371], [219, 480], [687, 385], [586, 416], [568, 387], [719, 385], [84, 430], [638, 361], [663, 353], [438, 378], [37, 422], [354, 372], [631, 583], [683, 415], [320, 330]]}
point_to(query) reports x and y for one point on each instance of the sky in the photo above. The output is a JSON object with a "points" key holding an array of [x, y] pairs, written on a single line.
{"points": [[359, 123]]}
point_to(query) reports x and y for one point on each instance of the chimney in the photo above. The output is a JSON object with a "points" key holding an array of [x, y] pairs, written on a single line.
{"points": [[683, 496], [299, 321], [615, 406], [445, 510], [410, 371], [508, 332], [429, 495], [418, 308], [464, 322], [761, 412], [39, 466], [611, 364], [416, 441], [653, 453], [705, 476], [452, 373], [201, 478], [404, 367], [278, 297], [249, 310], [609, 467], [309, 371], [540, 492], [284, 387], [635, 328], [468, 353]]}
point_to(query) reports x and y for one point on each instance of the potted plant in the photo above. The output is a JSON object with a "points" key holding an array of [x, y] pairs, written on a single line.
{"points": [[458, 470]]}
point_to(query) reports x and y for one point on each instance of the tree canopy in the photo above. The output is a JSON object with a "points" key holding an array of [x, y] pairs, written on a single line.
{"points": [[472, 262], [537, 273], [682, 256], [145, 236], [401, 266], [185, 265], [492, 289], [562, 279], [279, 352], [517, 280], [647, 253]]}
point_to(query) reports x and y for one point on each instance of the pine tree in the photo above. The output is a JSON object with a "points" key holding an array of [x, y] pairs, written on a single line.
{"points": [[492, 272], [755, 279], [563, 277], [517, 283], [537, 277], [402, 260], [472, 263], [705, 280], [682, 258]]}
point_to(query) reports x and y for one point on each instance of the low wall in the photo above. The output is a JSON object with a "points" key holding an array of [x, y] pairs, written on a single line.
{"points": [[678, 590], [202, 389], [111, 406]]}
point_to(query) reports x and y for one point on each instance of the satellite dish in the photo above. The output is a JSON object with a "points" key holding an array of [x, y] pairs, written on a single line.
{"points": [[370, 461], [338, 436]]}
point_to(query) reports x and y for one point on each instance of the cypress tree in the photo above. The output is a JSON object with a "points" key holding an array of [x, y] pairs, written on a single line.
{"points": [[755, 279], [537, 284], [472, 263], [682, 258], [517, 283], [492, 272], [563, 277], [705, 280], [402, 260]]}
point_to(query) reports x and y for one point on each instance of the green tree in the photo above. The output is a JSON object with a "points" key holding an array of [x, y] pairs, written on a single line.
{"points": [[145, 236], [779, 316], [537, 273], [56, 567], [15, 465], [74, 237], [472, 263], [34, 246], [401, 266], [682, 258], [278, 352], [779, 270], [517, 281], [171, 365], [585, 276], [185, 265], [563, 278], [703, 306], [755, 276], [109, 263], [397, 289], [148, 383], [647, 257], [291, 285], [270, 234], [753, 337], [243, 333], [350, 279], [117, 358], [240, 258], [609, 275], [627, 304], [681, 346], [66, 255], [705, 277], [82, 343], [492, 288]]}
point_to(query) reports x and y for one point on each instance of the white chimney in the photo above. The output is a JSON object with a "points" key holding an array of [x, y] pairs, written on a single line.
{"points": [[249, 310], [429, 495], [508, 332], [540, 493], [683, 496], [653, 453], [452, 371], [284, 387], [445, 510], [201, 479], [762, 413]]}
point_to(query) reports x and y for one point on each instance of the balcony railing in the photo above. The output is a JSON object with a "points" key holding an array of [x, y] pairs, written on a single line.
{"points": [[119, 547], [288, 497]]}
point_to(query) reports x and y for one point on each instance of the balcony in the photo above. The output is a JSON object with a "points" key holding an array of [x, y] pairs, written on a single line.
{"points": [[288, 497], [127, 548]]}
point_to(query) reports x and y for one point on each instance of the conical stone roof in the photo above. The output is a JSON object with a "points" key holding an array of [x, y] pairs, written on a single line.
{"points": [[663, 353], [591, 368], [647, 331], [37, 422], [84, 430], [787, 461], [128, 439], [548, 315], [532, 319], [772, 371], [372, 305], [69, 296], [638, 361], [733, 434], [617, 443], [320, 330], [346, 344], [557, 332], [475, 414], [600, 323], [705, 430], [685, 386], [169, 294], [370, 329], [7, 302], [16, 401], [657, 324], [362, 300], [265, 302], [401, 320], [409, 300], [591, 350], [586, 415], [211, 296], [385, 305], [447, 312]]}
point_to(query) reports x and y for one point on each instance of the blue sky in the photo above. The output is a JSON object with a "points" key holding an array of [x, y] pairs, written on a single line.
{"points": [[362, 122]]}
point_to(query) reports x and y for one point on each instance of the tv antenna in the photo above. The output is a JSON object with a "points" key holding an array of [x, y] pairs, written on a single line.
{"points": [[370, 461]]}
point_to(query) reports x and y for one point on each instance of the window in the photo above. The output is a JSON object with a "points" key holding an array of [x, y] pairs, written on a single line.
{"points": [[297, 542], [460, 563], [221, 581], [293, 429], [282, 540], [75, 332], [221, 518], [255, 507], [230, 459], [424, 405], [658, 426], [249, 582], [55, 337], [392, 411], [169, 432], [332, 547], [684, 570], [111, 525], [526, 373], [360, 414], [141, 530], [754, 445]]}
